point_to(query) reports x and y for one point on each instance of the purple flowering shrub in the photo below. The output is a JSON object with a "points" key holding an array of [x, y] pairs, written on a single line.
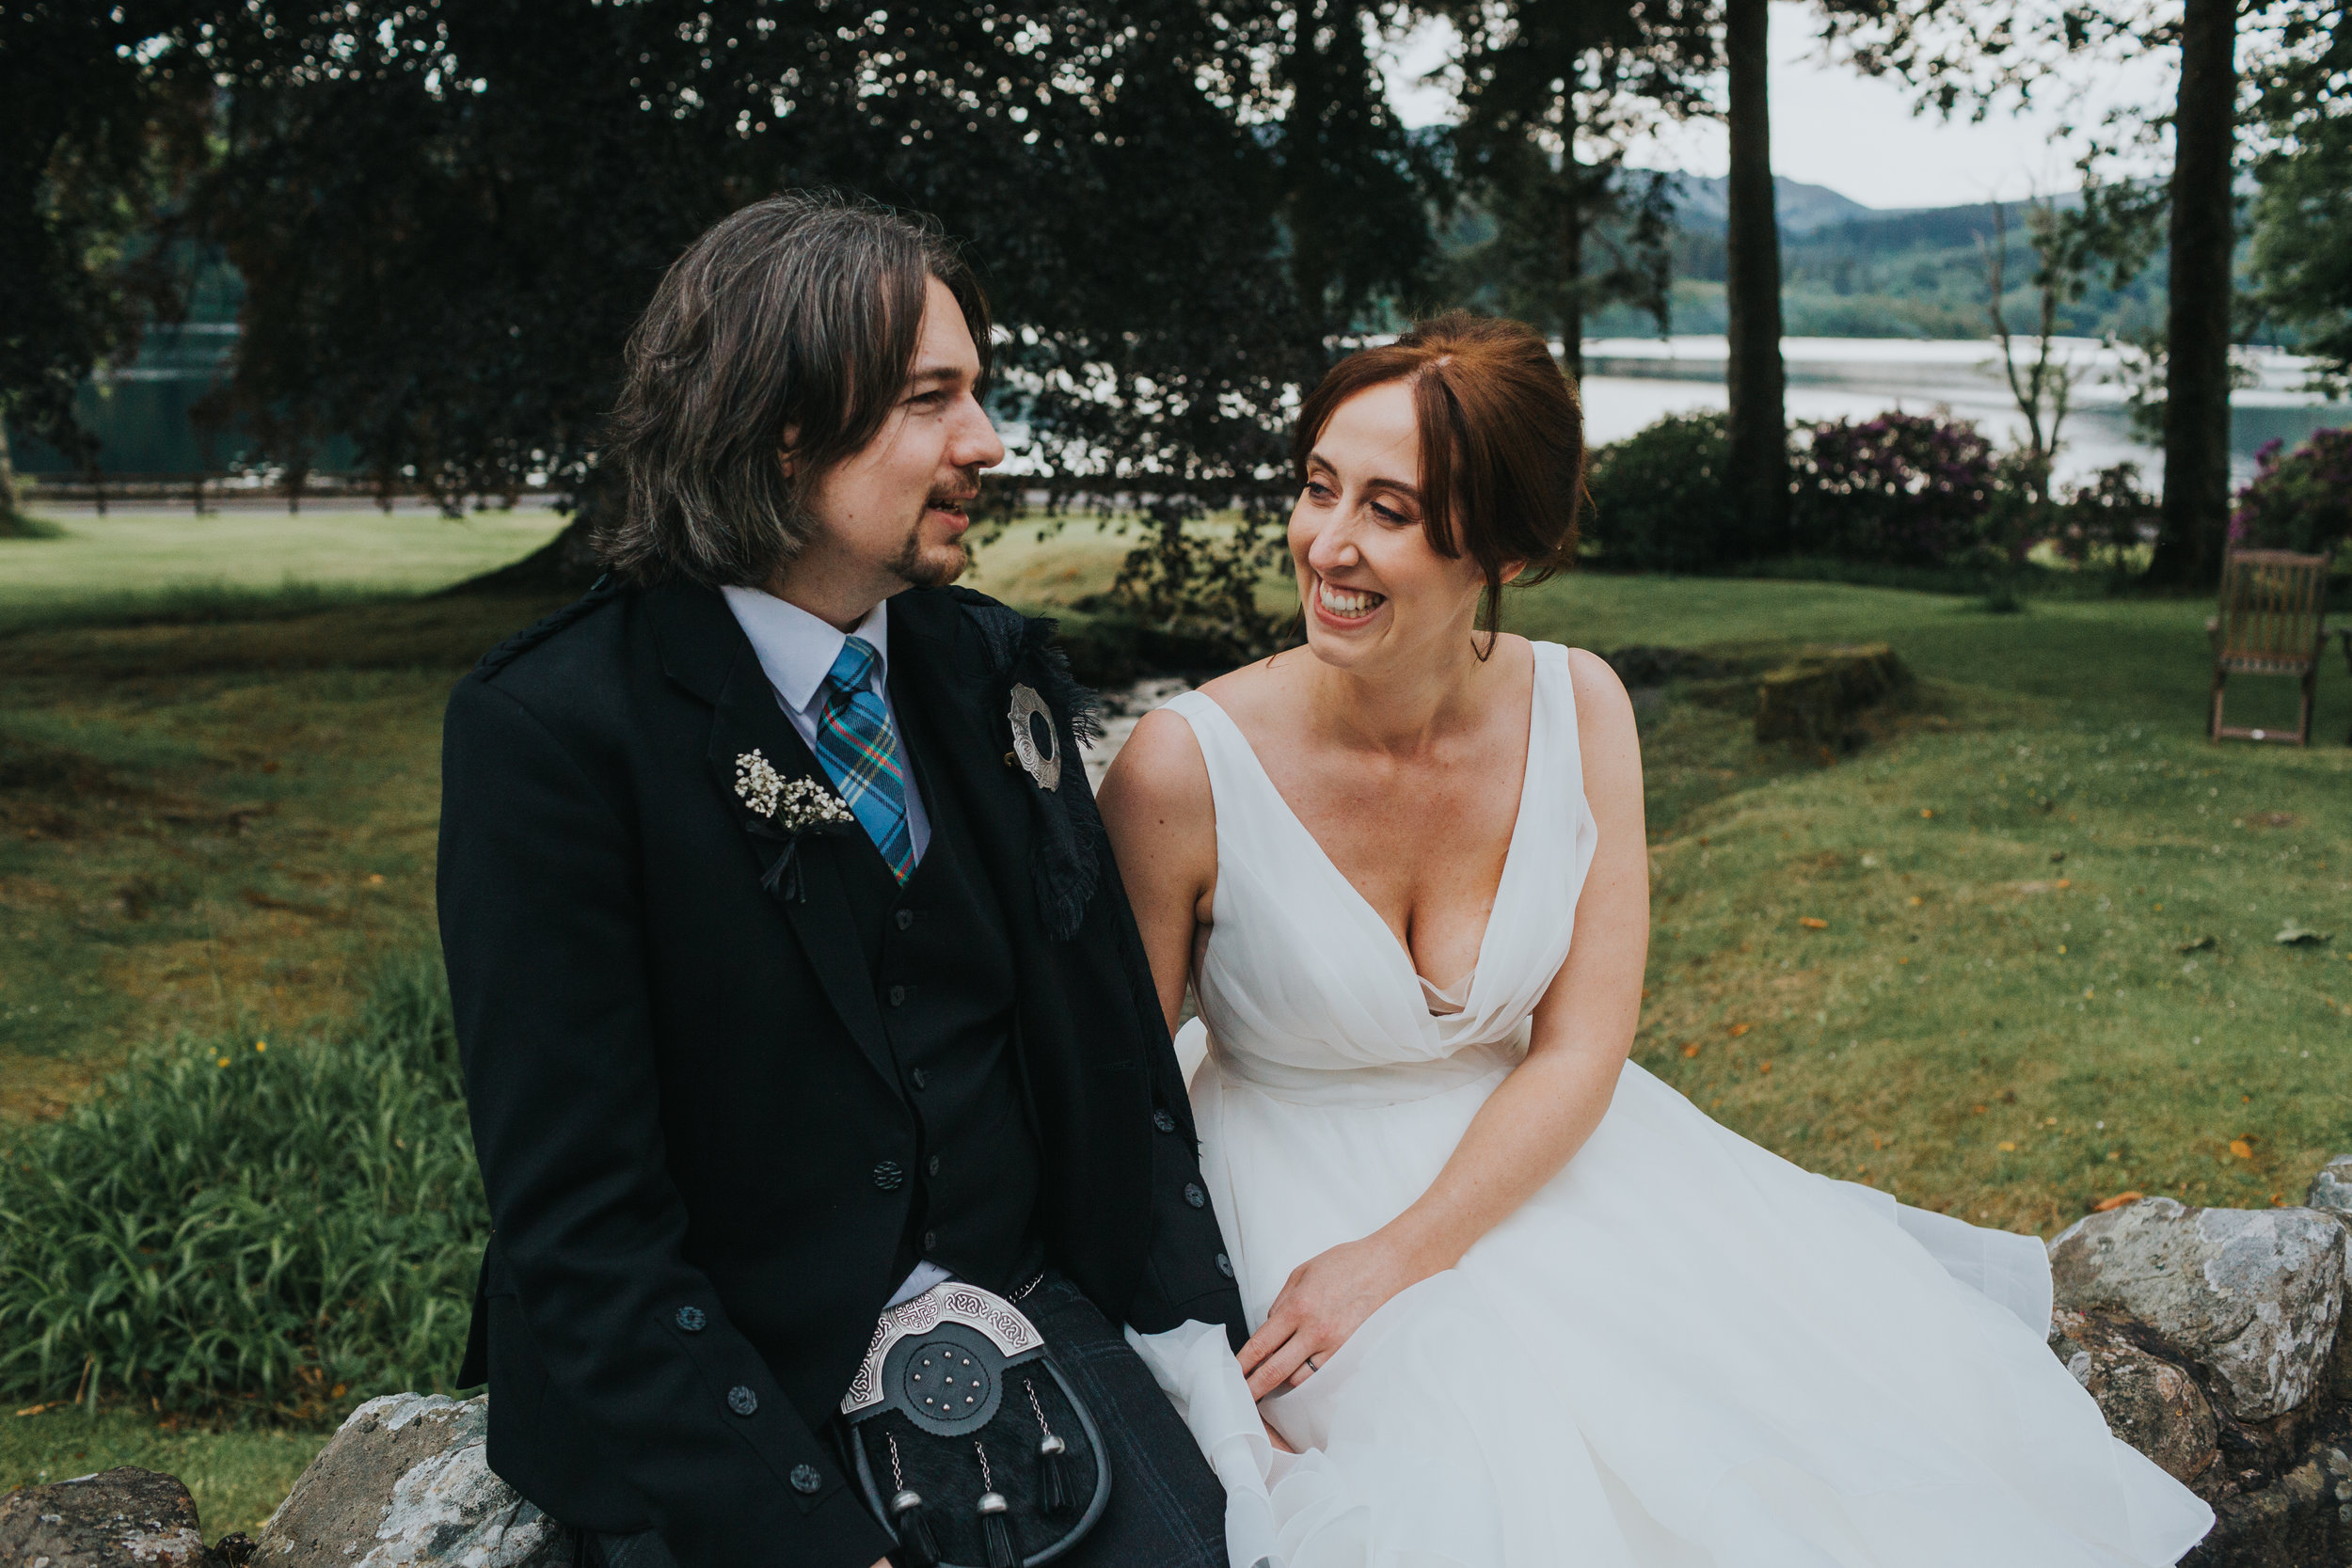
{"points": [[2301, 501], [1904, 489]]}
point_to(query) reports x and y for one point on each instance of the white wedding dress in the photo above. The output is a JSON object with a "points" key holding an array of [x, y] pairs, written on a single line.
{"points": [[1682, 1351]]}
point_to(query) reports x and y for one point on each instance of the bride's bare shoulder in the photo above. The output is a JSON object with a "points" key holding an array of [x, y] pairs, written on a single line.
{"points": [[1256, 696], [1606, 734], [1159, 775]]}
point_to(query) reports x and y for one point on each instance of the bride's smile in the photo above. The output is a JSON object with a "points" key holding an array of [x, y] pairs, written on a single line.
{"points": [[1345, 608]]}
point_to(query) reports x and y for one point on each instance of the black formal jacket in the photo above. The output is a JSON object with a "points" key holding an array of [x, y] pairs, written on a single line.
{"points": [[677, 1079]]}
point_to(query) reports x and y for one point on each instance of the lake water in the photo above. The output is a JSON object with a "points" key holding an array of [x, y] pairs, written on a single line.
{"points": [[1629, 381]]}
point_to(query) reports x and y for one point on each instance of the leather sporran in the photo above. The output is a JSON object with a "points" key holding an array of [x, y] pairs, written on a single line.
{"points": [[968, 1442]]}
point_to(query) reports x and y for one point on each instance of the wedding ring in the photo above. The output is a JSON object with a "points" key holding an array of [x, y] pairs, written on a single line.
{"points": [[1310, 1364]]}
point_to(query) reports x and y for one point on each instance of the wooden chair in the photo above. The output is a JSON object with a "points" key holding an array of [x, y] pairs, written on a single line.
{"points": [[2345, 633], [2273, 604]]}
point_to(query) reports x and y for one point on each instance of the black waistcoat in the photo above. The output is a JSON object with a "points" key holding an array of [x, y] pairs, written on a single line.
{"points": [[943, 968]]}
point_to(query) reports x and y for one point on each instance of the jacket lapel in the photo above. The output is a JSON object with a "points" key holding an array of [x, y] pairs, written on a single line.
{"points": [[717, 662], [957, 690]]}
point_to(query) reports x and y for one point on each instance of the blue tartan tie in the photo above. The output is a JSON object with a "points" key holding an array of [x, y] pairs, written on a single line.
{"points": [[858, 746]]}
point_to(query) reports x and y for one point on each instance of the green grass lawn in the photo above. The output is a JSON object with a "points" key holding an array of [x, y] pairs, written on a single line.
{"points": [[132, 558], [227, 824], [2047, 971]]}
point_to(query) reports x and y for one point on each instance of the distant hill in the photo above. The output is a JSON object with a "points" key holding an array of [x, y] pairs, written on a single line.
{"points": [[1702, 203], [1852, 271]]}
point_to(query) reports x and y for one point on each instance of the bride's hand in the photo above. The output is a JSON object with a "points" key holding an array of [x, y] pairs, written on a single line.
{"points": [[1325, 1300]]}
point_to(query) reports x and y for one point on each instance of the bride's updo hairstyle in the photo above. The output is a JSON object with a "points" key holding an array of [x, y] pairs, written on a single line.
{"points": [[1502, 441]]}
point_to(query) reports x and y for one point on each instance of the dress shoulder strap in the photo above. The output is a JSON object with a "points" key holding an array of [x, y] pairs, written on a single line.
{"points": [[1252, 819], [1555, 696], [1223, 747]]}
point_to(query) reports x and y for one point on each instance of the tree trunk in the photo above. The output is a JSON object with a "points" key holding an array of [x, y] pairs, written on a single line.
{"points": [[1574, 177], [2191, 533], [8, 482], [565, 565], [1758, 476]]}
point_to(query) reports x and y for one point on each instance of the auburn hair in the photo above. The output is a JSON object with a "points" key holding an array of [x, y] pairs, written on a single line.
{"points": [[1502, 441]]}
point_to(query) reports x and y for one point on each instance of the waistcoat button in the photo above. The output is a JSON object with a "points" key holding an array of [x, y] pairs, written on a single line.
{"points": [[905, 918], [1193, 1195], [1225, 1265], [690, 1319], [897, 996], [931, 1164], [888, 1175], [1165, 1122], [741, 1399], [805, 1479], [922, 1080]]}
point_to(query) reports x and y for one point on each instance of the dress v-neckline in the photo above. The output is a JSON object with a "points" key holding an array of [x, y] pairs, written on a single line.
{"points": [[1465, 989]]}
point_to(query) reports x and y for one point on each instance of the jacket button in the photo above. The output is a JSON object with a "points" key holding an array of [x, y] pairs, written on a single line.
{"points": [[931, 1164], [690, 1319], [1165, 1122], [888, 1175], [1225, 1265], [905, 918], [922, 1080], [1193, 1195], [897, 996], [931, 1239], [741, 1399], [805, 1479]]}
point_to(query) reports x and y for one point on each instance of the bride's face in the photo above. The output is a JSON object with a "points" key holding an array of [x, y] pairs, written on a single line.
{"points": [[1373, 588]]}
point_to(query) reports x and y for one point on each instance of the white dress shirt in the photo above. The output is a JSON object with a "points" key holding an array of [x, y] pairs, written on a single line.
{"points": [[796, 653]]}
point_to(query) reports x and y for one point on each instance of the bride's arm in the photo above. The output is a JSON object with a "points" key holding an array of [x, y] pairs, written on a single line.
{"points": [[1541, 1114], [1163, 825]]}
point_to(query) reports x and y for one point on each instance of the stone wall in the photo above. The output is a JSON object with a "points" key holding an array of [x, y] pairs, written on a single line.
{"points": [[2210, 1337]]}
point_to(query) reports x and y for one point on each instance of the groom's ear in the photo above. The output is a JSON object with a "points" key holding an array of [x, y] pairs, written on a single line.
{"points": [[1511, 569]]}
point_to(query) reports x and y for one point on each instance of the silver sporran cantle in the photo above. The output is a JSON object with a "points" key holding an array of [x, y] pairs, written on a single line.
{"points": [[966, 1439]]}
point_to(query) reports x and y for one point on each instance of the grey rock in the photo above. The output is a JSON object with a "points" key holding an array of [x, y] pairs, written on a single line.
{"points": [[2249, 1297], [2296, 1522], [114, 1519], [405, 1483], [2331, 1189], [2151, 1403]]}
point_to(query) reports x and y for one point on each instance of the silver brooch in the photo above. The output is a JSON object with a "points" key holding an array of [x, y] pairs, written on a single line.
{"points": [[792, 804], [1033, 738]]}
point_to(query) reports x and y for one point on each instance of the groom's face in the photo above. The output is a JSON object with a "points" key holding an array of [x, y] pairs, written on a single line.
{"points": [[893, 514]]}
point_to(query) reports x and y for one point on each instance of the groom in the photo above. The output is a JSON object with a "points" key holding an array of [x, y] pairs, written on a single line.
{"points": [[746, 1067]]}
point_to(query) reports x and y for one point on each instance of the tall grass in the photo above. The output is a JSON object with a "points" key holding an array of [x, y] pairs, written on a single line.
{"points": [[286, 1225]]}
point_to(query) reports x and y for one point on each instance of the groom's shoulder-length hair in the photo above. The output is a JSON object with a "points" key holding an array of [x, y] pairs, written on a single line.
{"points": [[803, 312]]}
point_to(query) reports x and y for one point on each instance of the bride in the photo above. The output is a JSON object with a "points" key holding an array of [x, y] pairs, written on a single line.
{"points": [[1515, 1301]]}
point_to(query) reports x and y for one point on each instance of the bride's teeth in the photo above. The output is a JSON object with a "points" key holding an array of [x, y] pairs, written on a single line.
{"points": [[1348, 603]]}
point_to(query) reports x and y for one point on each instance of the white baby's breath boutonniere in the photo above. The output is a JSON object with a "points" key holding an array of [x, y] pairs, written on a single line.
{"points": [[794, 805]]}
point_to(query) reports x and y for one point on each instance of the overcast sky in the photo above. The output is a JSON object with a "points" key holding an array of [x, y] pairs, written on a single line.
{"points": [[1831, 126]]}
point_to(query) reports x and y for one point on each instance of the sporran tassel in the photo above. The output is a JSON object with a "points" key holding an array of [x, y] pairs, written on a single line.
{"points": [[995, 1523], [1053, 1478], [996, 1527], [1052, 1462], [917, 1546]]}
